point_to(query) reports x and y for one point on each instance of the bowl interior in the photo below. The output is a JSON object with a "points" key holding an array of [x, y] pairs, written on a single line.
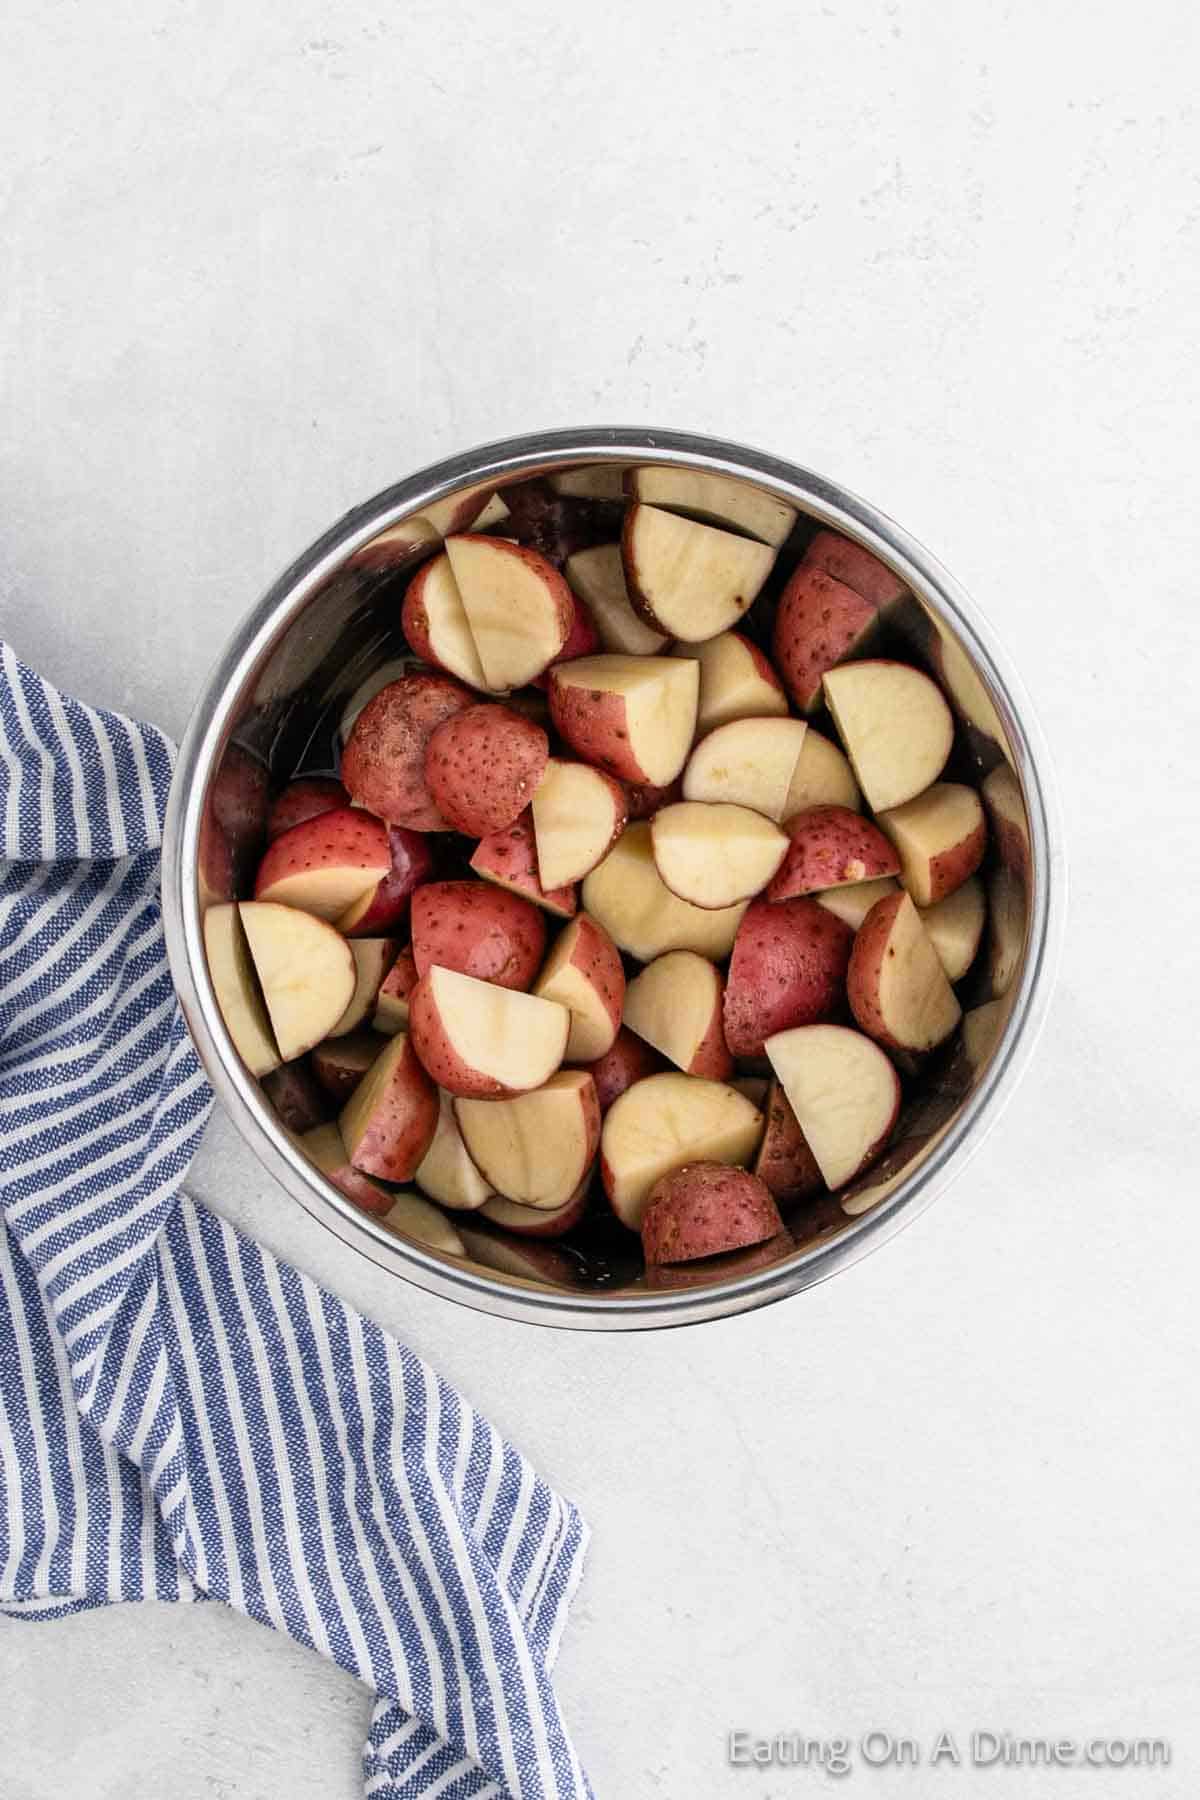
{"points": [[334, 636]]}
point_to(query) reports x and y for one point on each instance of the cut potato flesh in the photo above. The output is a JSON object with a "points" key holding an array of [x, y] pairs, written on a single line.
{"points": [[231, 971], [719, 499], [598, 481], [450, 639], [537, 1148], [657, 698], [521, 1259], [598, 577], [1006, 935], [517, 606], [940, 838], [822, 777], [897, 987], [967, 690], [447, 1173], [326, 893], [389, 1120], [690, 580], [852, 904], [981, 1029], [577, 812], [494, 513], [733, 684], [535, 1221], [1002, 796], [675, 1006], [583, 973], [750, 762], [895, 725], [665, 1121], [412, 1217], [515, 1039], [305, 970], [955, 926], [844, 1092], [713, 854], [629, 898], [373, 957]]}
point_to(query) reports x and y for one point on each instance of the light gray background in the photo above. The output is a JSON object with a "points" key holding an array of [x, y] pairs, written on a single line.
{"points": [[258, 262]]}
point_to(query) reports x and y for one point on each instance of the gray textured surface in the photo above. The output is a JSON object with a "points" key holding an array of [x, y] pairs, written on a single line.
{"points": [[256, 263]]}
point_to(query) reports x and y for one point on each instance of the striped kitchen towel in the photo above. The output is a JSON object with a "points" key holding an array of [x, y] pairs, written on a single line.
{"points": [[182, 1415]]}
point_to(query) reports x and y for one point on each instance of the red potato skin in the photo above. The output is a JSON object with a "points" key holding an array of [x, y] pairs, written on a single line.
{"points": [[412, 864], [478, 930], [712, 1058], [854, 567], [383, 763], [414, 618], [344, 835], [366, 1194], [402, 1126], [482, 765], [438, 1056], [818, 621], [217, 876], [784, 1163], [304, 799], [592, 722], [862, 978], [644, 801], [398, 984], [706, 1209], [239, 798], [582, 640], [954, 866], [788, 968], [763, 667], [599, 959], [555, 584], [1012, 847], [298, 1099], [709, 1270], [830, 845], [628, 1061], [511, 856], [339, 1064], [546, 1262], [531, 1221]]}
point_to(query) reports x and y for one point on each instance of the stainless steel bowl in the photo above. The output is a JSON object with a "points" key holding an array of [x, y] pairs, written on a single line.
{"points": [[332, 618]]}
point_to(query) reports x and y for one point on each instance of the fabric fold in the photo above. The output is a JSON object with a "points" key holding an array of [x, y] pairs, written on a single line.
{"points": [[181, 1413]]}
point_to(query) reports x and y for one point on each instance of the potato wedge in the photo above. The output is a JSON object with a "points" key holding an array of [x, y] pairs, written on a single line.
{"points": [[632, 715], [688, 580], [896, 984], [663, 1122], [749, 762], [941, 836], [712, 854], [305, 971], [536, 1148], [640, 913], [479, 1040], [578, 814], [844, 1092], [584, 973], [895, 725], [675, 1005]]}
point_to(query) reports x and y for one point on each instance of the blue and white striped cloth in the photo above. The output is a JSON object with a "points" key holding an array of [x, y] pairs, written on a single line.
{"points": [[183, 1416]]}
